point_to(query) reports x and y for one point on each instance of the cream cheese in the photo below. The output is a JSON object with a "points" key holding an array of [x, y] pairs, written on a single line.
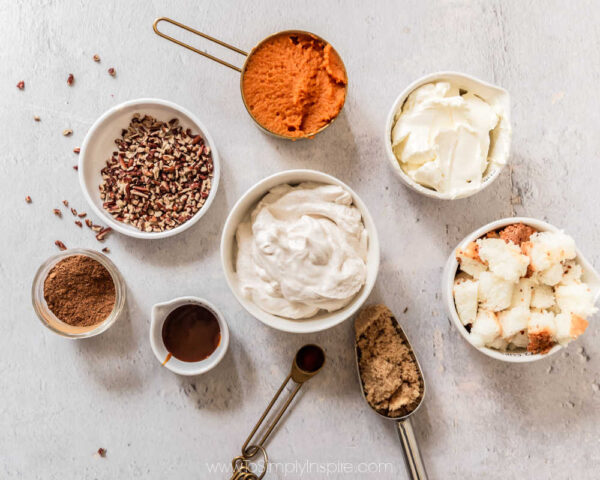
{"points": [[304, 249], [441, 137]]}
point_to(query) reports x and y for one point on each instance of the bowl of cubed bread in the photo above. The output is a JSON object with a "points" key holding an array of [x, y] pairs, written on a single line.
{"points": [[519, 290]]}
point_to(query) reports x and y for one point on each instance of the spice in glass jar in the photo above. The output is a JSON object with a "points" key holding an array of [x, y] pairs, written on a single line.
{"points": [[80, 291]]}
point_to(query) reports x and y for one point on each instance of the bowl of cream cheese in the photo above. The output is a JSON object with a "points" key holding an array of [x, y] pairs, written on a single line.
{"points": [[448, 135], [300, 251]]}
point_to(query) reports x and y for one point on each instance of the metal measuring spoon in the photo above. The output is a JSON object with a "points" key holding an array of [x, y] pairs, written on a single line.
{"points": [[412, 456], [307, 362]]}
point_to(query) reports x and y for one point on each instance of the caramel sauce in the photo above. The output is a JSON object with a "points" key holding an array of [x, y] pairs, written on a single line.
{"points": [[191, 333], [167, 358]]}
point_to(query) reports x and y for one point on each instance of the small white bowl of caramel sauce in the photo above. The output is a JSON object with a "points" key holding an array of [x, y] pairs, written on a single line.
{"points": [[188, 335]]}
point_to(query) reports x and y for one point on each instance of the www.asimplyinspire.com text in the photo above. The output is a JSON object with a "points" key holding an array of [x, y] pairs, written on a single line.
{"points": [[301, 468]]}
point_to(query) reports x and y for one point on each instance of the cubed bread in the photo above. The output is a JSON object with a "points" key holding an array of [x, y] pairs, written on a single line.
{"points": [[552, 275], [504, 259], [520, 340], [548, 248], [485, 329], [499, 344], [541, 330], [520, 288], [513, 321], [572, 272], [542, 296], [465, 299], [575, 298], [522, 293], [469, 260], [541, 320], [494, 293], [569, 327]]}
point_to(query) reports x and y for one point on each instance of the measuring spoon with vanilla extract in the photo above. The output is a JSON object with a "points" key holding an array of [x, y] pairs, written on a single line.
{"points": [[188, 335]]}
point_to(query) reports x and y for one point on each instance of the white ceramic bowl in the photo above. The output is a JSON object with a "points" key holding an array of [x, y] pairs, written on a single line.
{"points": [[501, 138], [159, 314], [590, 276], [99, 143], [245, 205]]}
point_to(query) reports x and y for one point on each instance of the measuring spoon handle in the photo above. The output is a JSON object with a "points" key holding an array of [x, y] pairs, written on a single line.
{"points": [[412, 456], [193, 49]]}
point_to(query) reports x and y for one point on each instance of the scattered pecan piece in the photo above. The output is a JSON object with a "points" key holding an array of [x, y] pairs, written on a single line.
{"points": [[103, 233], [77, 150], [57, 212], [78, 223], [75, 167], [65, 203], [21, 85], [67, 132], [70, 79], [112, 72], [61, 246], [88, 222], [96, 58], [102, 452], [106, 250], [36, 118], [82, 215], [73, 211], [28, 199]]}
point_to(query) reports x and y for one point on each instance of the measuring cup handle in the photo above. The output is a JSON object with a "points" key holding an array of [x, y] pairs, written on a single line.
{"points": [[203, 35], [412, 456]]}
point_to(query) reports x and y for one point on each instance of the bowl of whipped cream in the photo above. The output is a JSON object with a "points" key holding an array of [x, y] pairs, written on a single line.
{"points": [[300, 251], [448, 135]]}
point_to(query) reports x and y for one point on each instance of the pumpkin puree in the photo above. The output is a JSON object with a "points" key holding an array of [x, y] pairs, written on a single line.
{"points": [[294, 84]]}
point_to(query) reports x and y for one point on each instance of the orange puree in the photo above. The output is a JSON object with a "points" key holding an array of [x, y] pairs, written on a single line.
{"points": [[294, 84]]}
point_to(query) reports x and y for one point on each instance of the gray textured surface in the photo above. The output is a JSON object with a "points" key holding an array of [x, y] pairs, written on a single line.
{"points": [[61, 400]]}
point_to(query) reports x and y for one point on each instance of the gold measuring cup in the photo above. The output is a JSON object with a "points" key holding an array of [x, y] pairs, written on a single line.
{"points": [[308, 361], [243, 69], [412, 456]]}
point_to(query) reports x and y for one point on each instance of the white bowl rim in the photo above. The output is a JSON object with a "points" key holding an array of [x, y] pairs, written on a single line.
{"points": [[431, 77], [132, 231], [450, 273], [201, 366], [301, 325]]}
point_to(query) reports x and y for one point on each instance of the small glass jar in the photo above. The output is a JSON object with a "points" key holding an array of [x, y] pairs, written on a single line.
{"points": [[58, 326]]}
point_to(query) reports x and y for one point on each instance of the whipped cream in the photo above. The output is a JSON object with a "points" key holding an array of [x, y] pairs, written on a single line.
{"points": [[441, 138], [304, 249]]}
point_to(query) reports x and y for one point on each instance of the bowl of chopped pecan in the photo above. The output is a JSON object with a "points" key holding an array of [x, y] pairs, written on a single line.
{"points": [[149, 168]]}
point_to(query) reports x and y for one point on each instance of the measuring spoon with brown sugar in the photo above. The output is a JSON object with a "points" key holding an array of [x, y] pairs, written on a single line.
{"points": [[391, 378]]}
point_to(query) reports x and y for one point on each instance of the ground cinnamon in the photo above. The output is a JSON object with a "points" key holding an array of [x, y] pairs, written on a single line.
{"points": [[80, 291]]}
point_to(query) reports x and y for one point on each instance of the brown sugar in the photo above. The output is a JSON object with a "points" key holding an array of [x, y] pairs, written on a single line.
{"points": [[294, 84], [391, 378], [80, 291]]}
